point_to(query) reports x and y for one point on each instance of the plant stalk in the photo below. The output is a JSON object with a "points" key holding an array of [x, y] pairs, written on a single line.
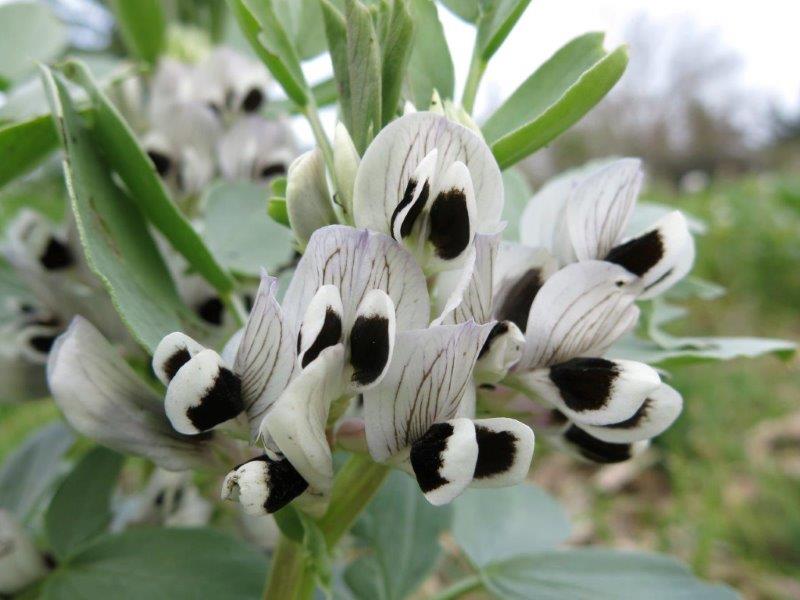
{"points": [[290, 577], [477, 66], [312, 116]]}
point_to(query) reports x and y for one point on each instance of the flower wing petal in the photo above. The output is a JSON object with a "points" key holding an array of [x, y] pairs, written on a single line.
{"points": [[505, 452]]}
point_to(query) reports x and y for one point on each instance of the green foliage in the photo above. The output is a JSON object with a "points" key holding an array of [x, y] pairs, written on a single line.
{"points": [[120, 147], [25, 145], [302, 20], [28, 473], [81, 507], [400, 534], [29, 32], [160, 563], [430, 66], [396, 34], [143, 26], [497, 19], [114, 235], [554, 98]]}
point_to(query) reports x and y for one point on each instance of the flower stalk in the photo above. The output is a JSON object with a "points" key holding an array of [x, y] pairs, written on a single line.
{"points": [[477, 66]]}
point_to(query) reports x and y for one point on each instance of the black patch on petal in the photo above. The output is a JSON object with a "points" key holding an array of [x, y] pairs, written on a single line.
{"points": [[637, 417], [597, 450], [557, 418], [211, 310], [56, 256], [499, 329], [369, 348], [584, 383], [285, 484], [252, 101], [221, 402], [42, 343], [329, 335], [161, 162], [426, 456], [517, 302], [414, 212], [496, 451], [272, 170], [450, 231], [175, 362], [639, 255]]}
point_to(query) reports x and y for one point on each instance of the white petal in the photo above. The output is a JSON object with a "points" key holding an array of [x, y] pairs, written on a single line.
{"points": [[501, 351], [104, 399], [297, 422], [658, 412], [372, 340], [203, 394], [452, 218], [416, 198], [543, 222], [322, 325], [172, 353], [596, 391], [21, 564], [265, 358], [662, 256], [35, 341], [579, 311], [34, 244], [425, 384], [255, 149], [444, 458], [263, 485], [599, 208], [519, 274], [505, 452], [307, 199], [345, 166], [356, 261], [473, 299], [393, 156], [583, 445]]}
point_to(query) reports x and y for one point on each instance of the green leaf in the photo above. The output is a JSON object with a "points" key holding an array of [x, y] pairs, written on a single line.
{"points": [[496, 21], [289, 522], [318, 555], [266, 35], [517, 193], [81, 507], [238, 231], [469, 10], [302, 20], [25, 145], [396, 52], [31, 470], [491, 525], [695, 287], [431, 66], [598, 574], [114, 235], [126, 157], [143, 26], [43, 191], [29, 32], [400, 531], [277, 211], [554, 98], [355, 54], [160, 563]]}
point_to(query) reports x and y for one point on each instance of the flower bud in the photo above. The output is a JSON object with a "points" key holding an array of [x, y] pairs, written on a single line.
{"points": [[307, 199], [345, 164]]}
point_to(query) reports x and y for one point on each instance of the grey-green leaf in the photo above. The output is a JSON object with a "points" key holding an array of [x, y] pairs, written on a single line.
{"points": [[554, 98], [396, 50], [31, 470], [491, 525], [80, 509], [496, 21], [302, 20], [161, 563], [597, 574], [29, 32], [143, 26], [431, 66], [240, 233], [400, 532], [126, 157], [114, 235], [469, 10], [25, 145]]}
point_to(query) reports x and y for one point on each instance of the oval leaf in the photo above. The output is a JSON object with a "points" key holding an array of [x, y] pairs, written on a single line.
{"points": [[143, 26]]}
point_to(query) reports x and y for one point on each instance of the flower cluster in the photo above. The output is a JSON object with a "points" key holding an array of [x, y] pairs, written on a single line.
{"points": [[413, 336]]}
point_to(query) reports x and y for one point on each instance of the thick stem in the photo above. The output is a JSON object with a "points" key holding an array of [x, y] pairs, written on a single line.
{"points": [[476, 68], [460, 588], [289, 575]]}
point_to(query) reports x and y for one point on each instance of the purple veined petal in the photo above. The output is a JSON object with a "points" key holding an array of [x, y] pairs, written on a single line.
{"points": [[543, 222], [357, 261], [297, 421], [425, 384], [599, 208], [580, 311], [391, 159], [103, 398]]}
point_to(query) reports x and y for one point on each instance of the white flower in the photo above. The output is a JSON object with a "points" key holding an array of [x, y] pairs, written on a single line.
{"points": [[308, 201], [431, 184], [255, 149], [21, 564], [584, 215], [230, 82]]}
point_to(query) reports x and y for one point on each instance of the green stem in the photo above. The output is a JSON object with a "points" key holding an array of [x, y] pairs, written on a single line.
{"points": [[477, 66], [459, 588], [236, 308], [312, 115], [289, 576]]}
